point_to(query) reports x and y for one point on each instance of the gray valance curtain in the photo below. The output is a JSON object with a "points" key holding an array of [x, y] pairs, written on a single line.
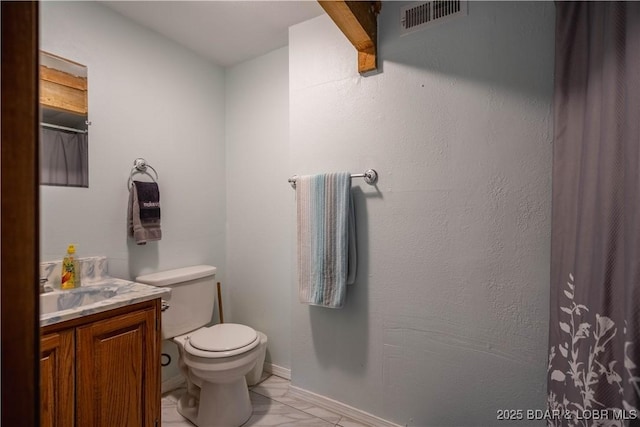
{"points": [[594, 345], [64, 158]]}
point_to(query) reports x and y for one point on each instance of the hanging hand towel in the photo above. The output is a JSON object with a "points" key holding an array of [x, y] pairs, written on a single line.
{"points": [[326, 238], [144, 212]]}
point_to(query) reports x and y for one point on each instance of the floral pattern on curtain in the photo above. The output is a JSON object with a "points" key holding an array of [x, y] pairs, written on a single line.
{"points": [[594, 329]]}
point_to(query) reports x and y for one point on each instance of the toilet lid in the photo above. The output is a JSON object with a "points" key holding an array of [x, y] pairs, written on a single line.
{"points": [[223, 337]]}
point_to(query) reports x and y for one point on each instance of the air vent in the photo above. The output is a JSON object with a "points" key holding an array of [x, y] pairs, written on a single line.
{"points": [[420, 15]]}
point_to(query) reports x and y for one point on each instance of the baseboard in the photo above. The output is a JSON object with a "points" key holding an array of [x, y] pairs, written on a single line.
{"points": [[278, 371], [172, 383], [339, 408]]}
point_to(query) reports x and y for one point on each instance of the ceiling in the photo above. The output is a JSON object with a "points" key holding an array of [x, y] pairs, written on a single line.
{"points": [[225, 32]]}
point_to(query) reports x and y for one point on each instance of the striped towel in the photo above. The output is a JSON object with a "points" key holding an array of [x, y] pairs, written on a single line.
{"points": [[326, 238]]}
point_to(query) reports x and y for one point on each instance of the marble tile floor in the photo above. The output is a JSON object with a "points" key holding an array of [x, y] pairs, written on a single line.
{"points": [[272, 406]]}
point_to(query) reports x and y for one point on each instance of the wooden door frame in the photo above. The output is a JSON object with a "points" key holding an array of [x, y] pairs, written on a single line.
{"points": [[19, 226]]}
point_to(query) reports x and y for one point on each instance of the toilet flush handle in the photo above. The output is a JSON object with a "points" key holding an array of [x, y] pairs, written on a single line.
{"points": [[164, 306]]}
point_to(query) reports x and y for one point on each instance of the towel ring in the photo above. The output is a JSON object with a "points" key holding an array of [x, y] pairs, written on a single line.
{"points": [[140, 165]]}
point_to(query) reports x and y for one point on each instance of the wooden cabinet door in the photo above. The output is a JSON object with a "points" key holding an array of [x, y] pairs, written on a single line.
{"points": [[57, 399], [117, 371]]}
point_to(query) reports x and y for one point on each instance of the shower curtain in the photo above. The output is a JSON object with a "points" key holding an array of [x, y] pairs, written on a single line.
{"points": [[594, 345], [64, 158]]}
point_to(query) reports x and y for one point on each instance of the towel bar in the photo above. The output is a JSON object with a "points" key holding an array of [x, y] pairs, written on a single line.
{"points": [[140, 165], [370, 177], [52, 126]]}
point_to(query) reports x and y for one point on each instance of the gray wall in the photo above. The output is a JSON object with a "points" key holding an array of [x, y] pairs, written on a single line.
{"points": [[259, 200], [448, 319], [151, 98]]}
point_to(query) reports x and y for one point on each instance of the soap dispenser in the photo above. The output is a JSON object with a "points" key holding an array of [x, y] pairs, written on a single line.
{"points": [[68, 274]]}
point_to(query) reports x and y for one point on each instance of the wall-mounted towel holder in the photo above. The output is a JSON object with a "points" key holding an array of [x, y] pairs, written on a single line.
{"points": [[140, 165], [58, 127], [370, 177]]}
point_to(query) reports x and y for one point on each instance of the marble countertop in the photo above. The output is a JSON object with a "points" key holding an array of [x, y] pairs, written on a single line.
{"points": [[106, 294]]}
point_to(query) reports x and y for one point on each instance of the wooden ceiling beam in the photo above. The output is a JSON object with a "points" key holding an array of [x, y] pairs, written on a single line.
{"points": [[358, 20]]}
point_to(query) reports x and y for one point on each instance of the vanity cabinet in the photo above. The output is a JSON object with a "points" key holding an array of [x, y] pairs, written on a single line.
{"points": [[57, 379], [110, 362]]}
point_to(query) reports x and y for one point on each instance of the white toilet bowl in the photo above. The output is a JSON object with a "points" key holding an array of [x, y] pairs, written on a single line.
{"points": [[215, 361]]}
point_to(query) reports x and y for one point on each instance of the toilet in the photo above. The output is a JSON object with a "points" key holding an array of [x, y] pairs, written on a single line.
{"points": [[213, 359]]}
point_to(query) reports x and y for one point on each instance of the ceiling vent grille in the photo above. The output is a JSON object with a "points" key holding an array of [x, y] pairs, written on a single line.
{"points": [[420, 15]]}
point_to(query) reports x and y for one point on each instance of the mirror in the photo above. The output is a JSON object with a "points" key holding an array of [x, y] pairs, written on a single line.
{"points": [[64, 142]]}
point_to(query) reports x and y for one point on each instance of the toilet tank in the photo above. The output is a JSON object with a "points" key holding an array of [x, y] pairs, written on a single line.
{"points": [[192, 297]]}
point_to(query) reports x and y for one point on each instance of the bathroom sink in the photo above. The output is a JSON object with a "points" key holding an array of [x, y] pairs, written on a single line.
{"points": [[49, 302], [75, 298], [97, 297]]}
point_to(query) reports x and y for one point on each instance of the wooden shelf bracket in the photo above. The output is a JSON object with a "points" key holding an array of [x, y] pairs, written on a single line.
{"points": [[358, 20]]}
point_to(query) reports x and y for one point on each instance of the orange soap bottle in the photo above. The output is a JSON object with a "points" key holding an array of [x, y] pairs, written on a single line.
{"points": [[68, 274]]}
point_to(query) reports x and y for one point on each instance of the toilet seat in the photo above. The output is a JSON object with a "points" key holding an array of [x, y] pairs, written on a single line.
{"points": [[222, 340]]}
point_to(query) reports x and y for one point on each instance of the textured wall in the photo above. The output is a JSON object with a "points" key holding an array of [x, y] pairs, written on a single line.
{"points": [[151, 98], [448, 319], [259, 200]]}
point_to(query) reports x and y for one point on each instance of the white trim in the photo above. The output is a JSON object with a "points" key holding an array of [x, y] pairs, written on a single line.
{"points": [[173, 383], [339, 408], [278, 371]]}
